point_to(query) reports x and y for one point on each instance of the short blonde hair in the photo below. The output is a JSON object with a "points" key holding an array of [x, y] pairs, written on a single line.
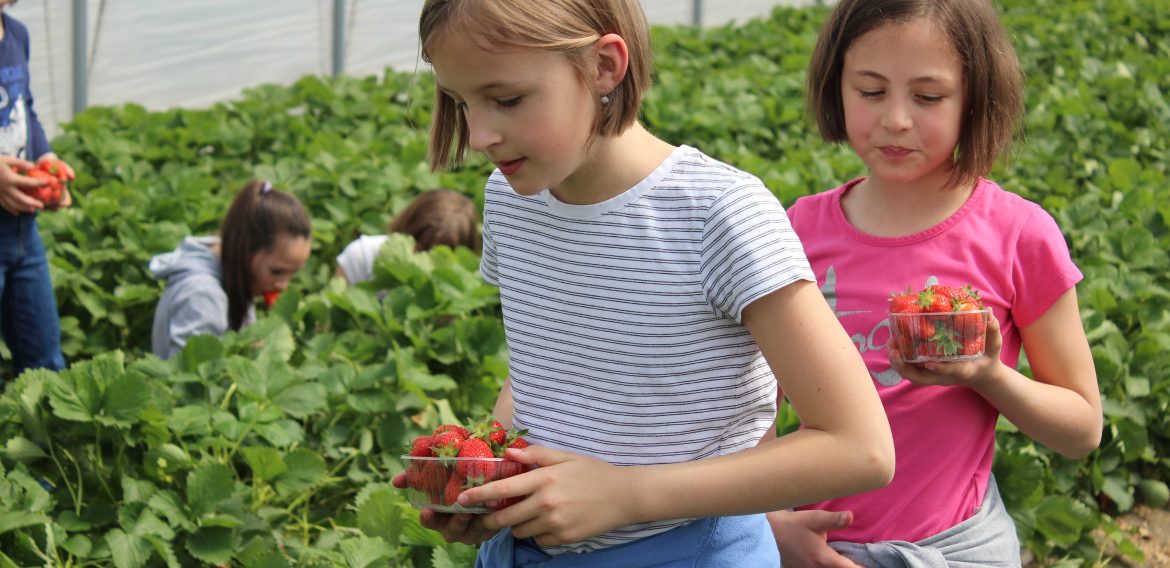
{"points": [[994, 81], [568, 27]]}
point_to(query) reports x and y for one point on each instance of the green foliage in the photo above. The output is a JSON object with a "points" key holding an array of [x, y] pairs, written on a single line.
{"points": [[274, 446]]}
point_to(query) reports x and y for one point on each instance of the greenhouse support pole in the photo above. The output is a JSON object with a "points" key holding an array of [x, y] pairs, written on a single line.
{"points": [[697, 13], [338, 37], [80, 55]]}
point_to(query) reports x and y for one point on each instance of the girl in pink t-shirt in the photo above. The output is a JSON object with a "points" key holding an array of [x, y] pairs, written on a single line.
{"points": [[927, 93]]}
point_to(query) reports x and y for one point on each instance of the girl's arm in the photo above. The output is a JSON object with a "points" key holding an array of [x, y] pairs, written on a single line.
{"points": [[845, 447], [1061, 408], [503, 409]]}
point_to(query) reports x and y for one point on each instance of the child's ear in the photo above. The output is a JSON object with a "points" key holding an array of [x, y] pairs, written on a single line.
{"points": [[613, 60]]}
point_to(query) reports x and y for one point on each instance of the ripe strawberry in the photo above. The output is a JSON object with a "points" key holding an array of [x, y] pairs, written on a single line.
{"points": [[49, 192], [452, 490], [936, 298], [904, 303], [57, 168], [514, 440], [421, 447], [463, 432], [270, 297], [447, 443], [432, 477], [973, 346], [476, 448], [490, 430]]}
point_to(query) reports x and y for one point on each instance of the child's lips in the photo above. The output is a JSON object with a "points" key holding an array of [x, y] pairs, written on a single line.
{"points": [[510, 167], [895, 152]]}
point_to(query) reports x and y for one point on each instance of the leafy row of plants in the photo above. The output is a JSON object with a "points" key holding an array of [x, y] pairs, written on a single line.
{"points": [[270, 447], [353, 149]]}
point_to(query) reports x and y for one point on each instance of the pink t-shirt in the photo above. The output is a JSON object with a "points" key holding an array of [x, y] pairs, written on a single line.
{"points": [[1010, 250]]}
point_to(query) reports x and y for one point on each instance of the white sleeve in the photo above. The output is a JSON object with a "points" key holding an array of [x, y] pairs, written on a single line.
{"points": [[357, 260]]}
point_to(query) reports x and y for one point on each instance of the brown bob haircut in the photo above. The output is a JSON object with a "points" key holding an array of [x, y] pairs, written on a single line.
{"points": [[991, 73], [439, 217], [255, 220], [569, 27]]}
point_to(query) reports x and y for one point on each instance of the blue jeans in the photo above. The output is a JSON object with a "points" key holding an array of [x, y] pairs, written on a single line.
{"points": [[28, 309]]}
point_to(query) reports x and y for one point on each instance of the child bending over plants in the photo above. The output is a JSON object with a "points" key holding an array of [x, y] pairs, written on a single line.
{"points": [[212, 282], [435, 217], [653, 298], [927, 93]]}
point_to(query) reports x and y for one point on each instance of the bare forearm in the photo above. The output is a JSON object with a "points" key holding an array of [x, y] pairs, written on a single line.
{"points": [[1057, 417], [797, 469]]}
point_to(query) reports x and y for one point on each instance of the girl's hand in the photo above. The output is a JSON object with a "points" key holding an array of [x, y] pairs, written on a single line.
{"points": [[12, 199], [802, 537], [568, 498], [461, 527], [968, 373]]}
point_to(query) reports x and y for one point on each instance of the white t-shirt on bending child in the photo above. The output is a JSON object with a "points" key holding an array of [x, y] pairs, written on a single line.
{"points": [[357, 260]]}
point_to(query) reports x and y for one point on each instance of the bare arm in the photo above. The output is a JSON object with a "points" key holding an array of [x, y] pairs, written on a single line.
{"points": [[503, 409], [1061, 408], [846, 446]]}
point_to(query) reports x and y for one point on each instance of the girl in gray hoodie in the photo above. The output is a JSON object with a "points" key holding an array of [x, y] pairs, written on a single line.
{"points": [[212, 282]]}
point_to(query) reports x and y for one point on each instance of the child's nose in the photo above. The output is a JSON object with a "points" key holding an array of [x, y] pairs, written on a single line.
{"points": [[896, 117], [481, 133]]}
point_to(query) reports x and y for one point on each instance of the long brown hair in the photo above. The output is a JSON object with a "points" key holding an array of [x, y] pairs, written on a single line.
{"points": [[258, 216], [439, 217], [991, 71]]}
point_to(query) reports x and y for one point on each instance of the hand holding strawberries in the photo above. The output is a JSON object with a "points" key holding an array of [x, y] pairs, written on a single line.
{"points": [[25, 187], [567, 498], [13, 186], [968, 372], [943, 335]]}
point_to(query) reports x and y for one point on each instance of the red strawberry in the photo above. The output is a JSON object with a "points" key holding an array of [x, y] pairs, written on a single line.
{"points": [[421, 447], [270, 297], [904, 303], [481, 470], [514, 441], [57, 168], [432, 477], [490, 430], [463, 432], [447, 443], [936, 298], [973, 346], [452, 490], [49, 192]]}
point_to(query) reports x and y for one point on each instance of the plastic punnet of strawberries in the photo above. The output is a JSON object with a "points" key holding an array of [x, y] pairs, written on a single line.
{"points": [[938, 323], [453, 458]]}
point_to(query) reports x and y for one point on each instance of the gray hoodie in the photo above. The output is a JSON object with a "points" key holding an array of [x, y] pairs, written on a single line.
{"points": [[194, 302]]}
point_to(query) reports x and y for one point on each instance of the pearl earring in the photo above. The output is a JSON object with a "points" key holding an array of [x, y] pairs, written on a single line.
{"points": [[604, 99]]}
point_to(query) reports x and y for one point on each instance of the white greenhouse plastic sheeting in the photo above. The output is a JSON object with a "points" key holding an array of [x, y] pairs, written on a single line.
{"points": [[193, 53]]}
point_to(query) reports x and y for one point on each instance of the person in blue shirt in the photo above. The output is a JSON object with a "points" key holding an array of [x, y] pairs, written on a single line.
{"points": [[28, 308]]}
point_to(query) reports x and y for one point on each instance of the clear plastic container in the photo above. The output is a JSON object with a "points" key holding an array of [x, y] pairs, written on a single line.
{"points": [[434, 483], [940, 336]]}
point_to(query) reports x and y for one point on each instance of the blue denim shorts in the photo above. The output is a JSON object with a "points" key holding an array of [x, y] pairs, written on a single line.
{"points": [[714, 542]]}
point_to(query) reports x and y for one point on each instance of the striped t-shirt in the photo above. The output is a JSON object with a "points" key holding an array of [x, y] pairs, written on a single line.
{"points": [[622, 317]]}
